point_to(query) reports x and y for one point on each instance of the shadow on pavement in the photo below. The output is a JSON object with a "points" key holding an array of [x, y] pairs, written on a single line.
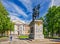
{"points": [[55, 40]]}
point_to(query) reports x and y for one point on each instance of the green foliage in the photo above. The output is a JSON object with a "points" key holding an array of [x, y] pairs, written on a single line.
{"points": [[41, 18], [52, 19], [5, 23], [23, 36]]}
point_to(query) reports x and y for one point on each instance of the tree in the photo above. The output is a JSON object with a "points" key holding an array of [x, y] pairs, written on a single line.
{"points": [[52, 19], [5, 23]]}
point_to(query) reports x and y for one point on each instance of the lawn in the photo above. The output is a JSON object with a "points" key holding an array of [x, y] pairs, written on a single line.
{"points": [[3, 36], [56, 37], [23, 36]]}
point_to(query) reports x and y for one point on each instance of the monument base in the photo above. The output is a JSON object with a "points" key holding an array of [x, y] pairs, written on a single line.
{"points": [[38, 37], [37, 27]]}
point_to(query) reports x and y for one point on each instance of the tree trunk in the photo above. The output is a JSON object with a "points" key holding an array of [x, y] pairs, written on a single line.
{"points": [[52, 33], [7, 33], [2, 34]]}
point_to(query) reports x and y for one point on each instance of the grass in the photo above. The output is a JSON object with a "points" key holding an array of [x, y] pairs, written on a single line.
{"points": [[56, 37], [3, 36], [23, 36]]}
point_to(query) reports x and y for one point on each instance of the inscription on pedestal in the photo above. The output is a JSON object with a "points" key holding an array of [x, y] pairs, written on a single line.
{"points": [[38, 30]]}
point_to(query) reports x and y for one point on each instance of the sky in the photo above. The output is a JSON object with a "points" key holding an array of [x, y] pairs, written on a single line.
{"points": [[22, 9]]}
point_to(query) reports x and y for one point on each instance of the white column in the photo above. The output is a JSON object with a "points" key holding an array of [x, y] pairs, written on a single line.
{"points": [[22, 30], [15, 29]]}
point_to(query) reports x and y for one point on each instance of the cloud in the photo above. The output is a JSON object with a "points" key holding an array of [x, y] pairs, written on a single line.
{"points": [[14, 8], [18, 9], [28, 21], [55, 2], [27, 4], [14, 18], [15, 14]]}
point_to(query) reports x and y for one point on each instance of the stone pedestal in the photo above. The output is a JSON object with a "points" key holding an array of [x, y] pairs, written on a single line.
{"points": [[37, 28]]}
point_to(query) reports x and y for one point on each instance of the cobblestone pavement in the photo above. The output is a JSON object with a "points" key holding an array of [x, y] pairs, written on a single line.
{"points": [[18, 41]]}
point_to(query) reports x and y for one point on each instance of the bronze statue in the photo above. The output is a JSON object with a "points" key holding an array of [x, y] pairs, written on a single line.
{"points": [[36, 12]]}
